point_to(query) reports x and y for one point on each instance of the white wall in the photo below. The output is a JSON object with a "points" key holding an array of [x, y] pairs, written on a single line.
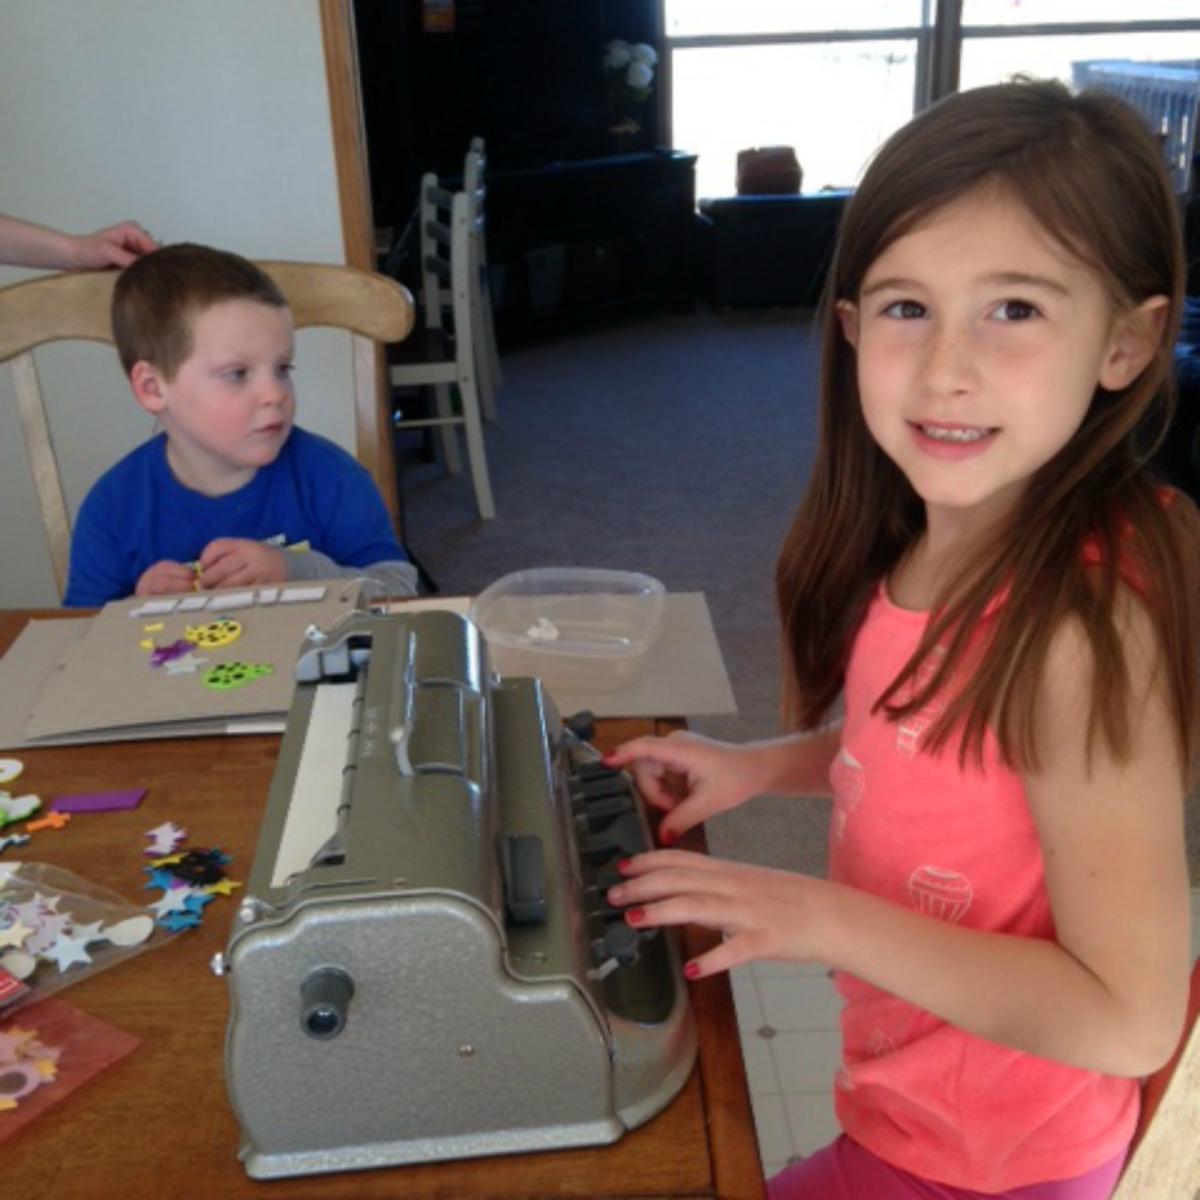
{"points": [[205, 120]]}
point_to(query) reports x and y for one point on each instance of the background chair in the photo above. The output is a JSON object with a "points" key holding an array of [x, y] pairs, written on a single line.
{"points": [[75, 307], [1165, 1158], [437, 356], [475, 185]]}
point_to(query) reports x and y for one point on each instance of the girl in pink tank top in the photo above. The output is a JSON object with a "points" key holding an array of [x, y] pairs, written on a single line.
{"points": [[1005, 600]]}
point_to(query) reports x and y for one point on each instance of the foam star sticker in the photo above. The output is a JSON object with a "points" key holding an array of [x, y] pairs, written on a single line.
{"points": [[165, 838], [188, 664], [167, 859], [89, 933], [181, 920], [67, 952], [197, 900], [52, 820], [31, 911], [161, 878], [173, 901], [48, 929], [223, 887], [14, 935]]}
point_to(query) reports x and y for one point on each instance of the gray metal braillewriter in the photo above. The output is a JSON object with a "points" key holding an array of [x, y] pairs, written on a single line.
{"points": [[425, 965]]}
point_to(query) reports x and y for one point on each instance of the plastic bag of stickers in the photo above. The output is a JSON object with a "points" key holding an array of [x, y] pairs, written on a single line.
{"points": [[57, 928]]}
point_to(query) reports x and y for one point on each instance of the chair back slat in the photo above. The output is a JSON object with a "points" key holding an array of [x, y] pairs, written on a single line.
{"points": [[56, 524], [363, 302], [55, 308]]}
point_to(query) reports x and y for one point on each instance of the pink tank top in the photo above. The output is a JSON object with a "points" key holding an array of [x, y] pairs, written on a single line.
{"points": [[958, 845]]}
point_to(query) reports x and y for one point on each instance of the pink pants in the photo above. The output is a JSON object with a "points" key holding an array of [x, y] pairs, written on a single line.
{"points": [[846, 1171]]}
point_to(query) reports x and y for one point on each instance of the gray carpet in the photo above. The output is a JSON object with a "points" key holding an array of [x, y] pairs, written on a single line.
{"points": [[678, 446]]}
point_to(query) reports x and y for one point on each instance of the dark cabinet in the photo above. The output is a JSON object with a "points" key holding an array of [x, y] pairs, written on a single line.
{"points": [[571, 243]]}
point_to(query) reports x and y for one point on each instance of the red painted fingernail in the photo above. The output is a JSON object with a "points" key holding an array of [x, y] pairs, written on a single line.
{"points": [[667, 837], [692, 970], [623, 864], [635, 916]]}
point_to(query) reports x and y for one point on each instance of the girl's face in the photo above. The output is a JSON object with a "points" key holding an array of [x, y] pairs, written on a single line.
{"points": [[980, 342]]}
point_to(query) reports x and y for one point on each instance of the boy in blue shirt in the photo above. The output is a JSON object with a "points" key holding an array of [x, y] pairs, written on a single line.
{"points": [[206, 339]]}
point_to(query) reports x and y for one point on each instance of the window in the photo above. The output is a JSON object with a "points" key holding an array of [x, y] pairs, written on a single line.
{"points": [[773, 72]]}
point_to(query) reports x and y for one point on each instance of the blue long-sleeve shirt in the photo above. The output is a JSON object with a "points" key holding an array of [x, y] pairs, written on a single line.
{"points": [[138, 514]]}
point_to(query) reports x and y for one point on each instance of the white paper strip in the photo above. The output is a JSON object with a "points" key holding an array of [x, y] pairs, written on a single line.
{"points": [[312, 818]]}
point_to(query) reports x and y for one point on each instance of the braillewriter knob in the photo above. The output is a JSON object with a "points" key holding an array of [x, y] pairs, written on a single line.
{"points": [[325, 998]]}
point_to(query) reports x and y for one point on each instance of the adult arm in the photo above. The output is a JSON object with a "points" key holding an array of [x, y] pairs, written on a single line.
{"points": [[25, 244]]}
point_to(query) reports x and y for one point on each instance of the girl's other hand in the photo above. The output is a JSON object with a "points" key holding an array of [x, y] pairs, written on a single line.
{"points": [[762, 913], [689, 777]]}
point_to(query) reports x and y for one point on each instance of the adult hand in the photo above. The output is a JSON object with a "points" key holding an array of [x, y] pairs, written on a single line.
{"points": [[163, 577], [232, 562], [762, 913], [690, 777], [116, 246]]}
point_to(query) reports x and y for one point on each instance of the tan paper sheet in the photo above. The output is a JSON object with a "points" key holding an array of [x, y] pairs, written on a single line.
{"points": [[103, 685], [66, 682]]}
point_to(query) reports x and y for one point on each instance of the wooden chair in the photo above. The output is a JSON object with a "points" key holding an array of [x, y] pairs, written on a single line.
{"points": [[75, 307], [441, 357], [1165, 1158]]}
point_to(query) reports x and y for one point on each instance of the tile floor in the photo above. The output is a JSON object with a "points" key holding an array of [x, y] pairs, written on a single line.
{"points": [[788, 1020]]}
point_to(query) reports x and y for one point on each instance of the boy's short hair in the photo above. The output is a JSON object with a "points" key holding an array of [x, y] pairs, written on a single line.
{"points": [[156, 299]]}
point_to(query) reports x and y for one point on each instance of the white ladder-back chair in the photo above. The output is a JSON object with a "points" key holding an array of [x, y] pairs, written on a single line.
{"points": [[475, 185], [437, 356], [75, 307]]}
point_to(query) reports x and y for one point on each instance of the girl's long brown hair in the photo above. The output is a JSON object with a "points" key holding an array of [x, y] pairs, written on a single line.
{"points": [[1093, 178]]}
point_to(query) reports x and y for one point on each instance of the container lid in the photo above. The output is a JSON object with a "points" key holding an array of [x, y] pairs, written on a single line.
{"points": [[580, 611]]}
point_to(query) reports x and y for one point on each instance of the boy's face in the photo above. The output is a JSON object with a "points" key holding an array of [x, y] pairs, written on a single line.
{"points": [[230, 406]]}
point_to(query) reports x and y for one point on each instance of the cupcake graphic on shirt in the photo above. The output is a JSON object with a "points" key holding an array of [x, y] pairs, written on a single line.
{"points": [[939, 893], [910, 731]]}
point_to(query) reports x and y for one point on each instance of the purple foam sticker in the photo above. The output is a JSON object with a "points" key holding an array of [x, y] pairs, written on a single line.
{"points": [[98, 801], [166, 654]]}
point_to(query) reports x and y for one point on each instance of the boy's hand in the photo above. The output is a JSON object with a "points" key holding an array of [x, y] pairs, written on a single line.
{"points": [[231, 562], [163, 577]]}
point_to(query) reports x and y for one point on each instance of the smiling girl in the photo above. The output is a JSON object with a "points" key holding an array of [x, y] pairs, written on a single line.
{"points": [[1009, 604]]}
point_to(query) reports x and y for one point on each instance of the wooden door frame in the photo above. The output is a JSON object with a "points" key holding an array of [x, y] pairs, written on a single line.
{"points": [[372, 421]]}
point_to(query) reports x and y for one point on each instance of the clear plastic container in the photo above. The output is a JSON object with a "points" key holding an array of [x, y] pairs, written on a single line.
{"points": [[578, 629]]}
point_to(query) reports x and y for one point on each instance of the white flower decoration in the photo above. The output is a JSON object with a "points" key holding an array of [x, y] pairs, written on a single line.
{"points": [[643, 53], [639, 75], [618, 55]]}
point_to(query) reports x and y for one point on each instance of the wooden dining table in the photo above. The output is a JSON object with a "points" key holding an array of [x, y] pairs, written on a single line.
{"points": [[158, 1123]]}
